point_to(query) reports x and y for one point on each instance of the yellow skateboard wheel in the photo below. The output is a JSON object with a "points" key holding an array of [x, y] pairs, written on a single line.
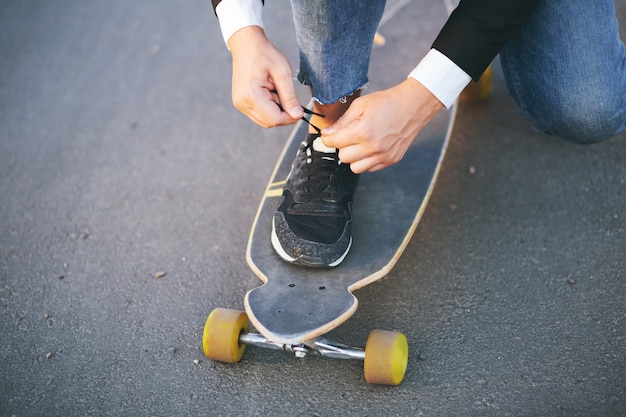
{"points": [[220, 339], [379, 39], [481, 89], [386, 357]]}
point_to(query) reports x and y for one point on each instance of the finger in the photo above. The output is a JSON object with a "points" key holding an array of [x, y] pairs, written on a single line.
{"points": [[266, 112], [281, 108], [262, 111], [367, 165], [351, 154], [342, 133], [359, 158], [341, 123], [287, 95], [377, 167]]}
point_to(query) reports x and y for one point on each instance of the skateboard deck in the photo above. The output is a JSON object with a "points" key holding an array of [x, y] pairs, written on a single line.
{"points": [[297, 304]]}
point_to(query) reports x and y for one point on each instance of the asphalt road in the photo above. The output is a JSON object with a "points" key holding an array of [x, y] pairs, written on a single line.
{"points": [[121, 158]]}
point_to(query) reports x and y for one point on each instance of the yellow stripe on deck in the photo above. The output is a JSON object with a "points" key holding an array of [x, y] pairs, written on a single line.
{"points": [[277, 192], [275, 189]]}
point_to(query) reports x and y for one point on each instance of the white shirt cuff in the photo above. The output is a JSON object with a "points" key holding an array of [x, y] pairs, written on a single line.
{"points": [[234, 15], [441, 76]]}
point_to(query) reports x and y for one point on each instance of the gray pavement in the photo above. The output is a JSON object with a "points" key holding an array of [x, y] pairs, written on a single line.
{"points": [[121, 157]]}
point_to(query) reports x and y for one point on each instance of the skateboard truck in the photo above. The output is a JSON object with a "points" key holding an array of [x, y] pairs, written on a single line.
{"points": [[319, 347], [385, 357]]}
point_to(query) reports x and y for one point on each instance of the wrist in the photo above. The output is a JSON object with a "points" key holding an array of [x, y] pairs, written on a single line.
{"points": [[417, 96], [246, 38]]}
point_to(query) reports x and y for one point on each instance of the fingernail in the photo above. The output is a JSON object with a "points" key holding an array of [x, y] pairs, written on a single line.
{"points": [[296, 112]]}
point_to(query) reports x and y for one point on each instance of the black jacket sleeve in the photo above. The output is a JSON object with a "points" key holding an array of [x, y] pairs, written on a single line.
{"points": [[478, 29]]}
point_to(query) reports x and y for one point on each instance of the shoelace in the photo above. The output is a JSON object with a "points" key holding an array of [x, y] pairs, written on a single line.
{"points": [[306, 111], [320, 167], [320, 170]]}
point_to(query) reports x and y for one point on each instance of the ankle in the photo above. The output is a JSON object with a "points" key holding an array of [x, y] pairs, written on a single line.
{"points": [[332, 112]]}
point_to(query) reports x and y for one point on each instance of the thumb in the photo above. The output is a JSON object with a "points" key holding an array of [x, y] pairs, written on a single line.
{"points": [[338, 135], [288, 99], [344, 121]]}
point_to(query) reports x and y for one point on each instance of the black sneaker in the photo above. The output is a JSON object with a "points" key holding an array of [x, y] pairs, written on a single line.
{"points": [[313, 222]]}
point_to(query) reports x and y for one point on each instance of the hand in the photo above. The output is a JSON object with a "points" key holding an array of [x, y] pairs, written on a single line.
{"points": [[262, 77], [377, 129]]}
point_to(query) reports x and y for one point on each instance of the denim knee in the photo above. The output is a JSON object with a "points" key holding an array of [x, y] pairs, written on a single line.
{"points": [[566, 69], [581, 118]]}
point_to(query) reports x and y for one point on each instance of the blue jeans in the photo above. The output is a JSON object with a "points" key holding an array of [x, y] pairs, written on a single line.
{"points": [[567, 72], [335, 39], [566, 68]]}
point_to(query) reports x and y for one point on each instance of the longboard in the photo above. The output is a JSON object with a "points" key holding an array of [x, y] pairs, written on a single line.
{"points": [[295, 306]]}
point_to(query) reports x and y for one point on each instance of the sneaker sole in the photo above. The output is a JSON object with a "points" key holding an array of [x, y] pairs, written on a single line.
{"points": [[305, 260]]}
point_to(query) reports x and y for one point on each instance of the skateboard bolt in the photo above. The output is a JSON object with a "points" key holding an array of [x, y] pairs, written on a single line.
{"points": [[299, 351]]}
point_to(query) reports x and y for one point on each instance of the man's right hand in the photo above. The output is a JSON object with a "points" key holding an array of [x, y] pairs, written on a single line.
{"points": [[259, 71]]}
